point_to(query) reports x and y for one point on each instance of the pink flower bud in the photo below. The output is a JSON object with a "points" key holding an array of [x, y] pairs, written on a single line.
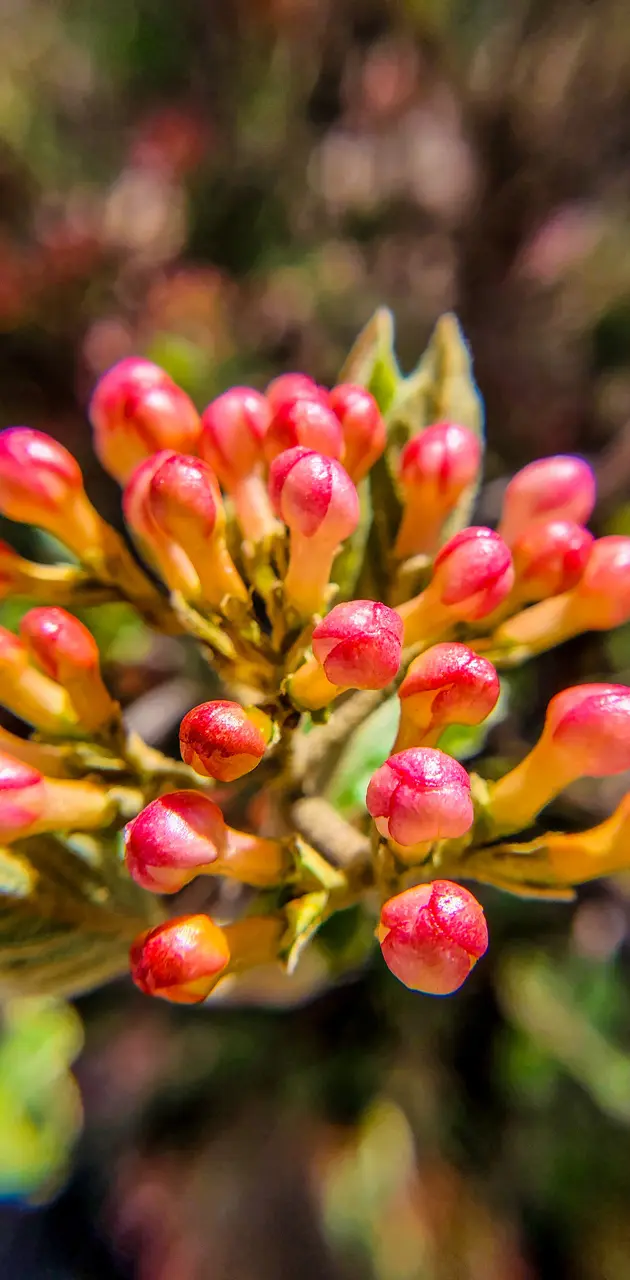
{"points": [[221, 740], [473, 573], [363, 425], [30, 694], [318, 501], [39, 479], [66, 651], [436, 466], [420, 795], [604, 588], [559, 488], [307, 423], [174, 839], [359, 644], [447, 684], [22, 797], [136, 410], [233, 429], [289, 387], [432, 936], [590, 726], [550, 557], [184, 499], [180, 960]]}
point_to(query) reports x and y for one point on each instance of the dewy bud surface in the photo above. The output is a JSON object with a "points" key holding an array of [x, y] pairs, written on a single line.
{"points": [[420, 794], [431, 936]]}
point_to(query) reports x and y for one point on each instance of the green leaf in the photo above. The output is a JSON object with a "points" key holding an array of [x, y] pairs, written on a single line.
{"points": [[372, 362], [305, 915], [68, 914]]}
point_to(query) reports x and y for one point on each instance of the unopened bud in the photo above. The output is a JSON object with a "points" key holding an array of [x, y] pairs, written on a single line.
{"points": [[22, 797], [420, 795], [363, 426], [31, 803], [234, 428], [41, 484], [180, 960], [182, 835], [472, 575], [289, 387], [447, 684], [67, 652], [436, 466], [358, 645], [559, 488], [586, 734], [306, 422], [28, 693], [318, 501], [222, 740], [137, 410], [431, 936], [550, 556]]}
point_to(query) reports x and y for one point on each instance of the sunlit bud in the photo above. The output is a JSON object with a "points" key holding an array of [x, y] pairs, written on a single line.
{"points": [[601, 599], [357, 645], [363, 425], [234, 427], [30, 694], [586, 734], [436, 466], [447, 684], [222, 740], [586, 855], [289, 387], [136, 410], [181, 959], [558, 488], [182, 835], [66, 651], [318, 501], [46, 758], [550, 556], [307, 422], [432, 936], [31, 803], [41, 484], [420, 795], [472, 575]]}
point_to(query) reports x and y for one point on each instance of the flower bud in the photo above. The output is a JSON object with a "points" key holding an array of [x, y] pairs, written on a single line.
{"points": [[558, 488], [181, 959], [67, 652], [289, 387], [586, 734], [431, 936], [234, 428], [221, 740], [22, 797], [472, 575], [136, 410], [550, 556], [182, 835], [31, 803], [420, 795], [28, 693], [358, 645], [318, 501], [307, 423], [447, 684], [363, 426], [436, 466], [41, 484]]}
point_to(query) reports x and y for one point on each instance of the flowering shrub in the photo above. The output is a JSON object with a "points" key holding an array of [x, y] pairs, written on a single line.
{"points": [[317, 546]]}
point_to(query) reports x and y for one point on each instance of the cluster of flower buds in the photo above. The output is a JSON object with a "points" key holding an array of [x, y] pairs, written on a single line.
{"points": [[242, 512]]}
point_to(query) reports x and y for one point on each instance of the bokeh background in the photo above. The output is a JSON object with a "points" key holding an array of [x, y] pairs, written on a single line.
{"points": [[231, 188]]}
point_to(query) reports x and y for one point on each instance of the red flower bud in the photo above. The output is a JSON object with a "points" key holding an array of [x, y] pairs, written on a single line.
{"points": [[41, 484], [289, 387], [136, 410], [447, 684], [22, 797], [66, 651], [359, 644], [436, 466], [420, 795], [173, 839], [309, 423], [363, 425], [432, 936], [233, 429], [559, 488], [184, 499], [221, 740], [318, 501], [28, 693], [180, 960], [604, 588], [473, 573], [590, 725], [550, 557]]}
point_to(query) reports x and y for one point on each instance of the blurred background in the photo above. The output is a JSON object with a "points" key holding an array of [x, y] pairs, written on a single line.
{"points": [[231, 189]]}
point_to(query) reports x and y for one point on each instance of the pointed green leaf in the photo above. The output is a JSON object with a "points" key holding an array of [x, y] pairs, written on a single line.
{"points": [[305, 915], [372, 362]]}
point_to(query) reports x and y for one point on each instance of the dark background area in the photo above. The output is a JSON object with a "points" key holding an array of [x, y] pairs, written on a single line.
{"points": [[231, 189]]}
